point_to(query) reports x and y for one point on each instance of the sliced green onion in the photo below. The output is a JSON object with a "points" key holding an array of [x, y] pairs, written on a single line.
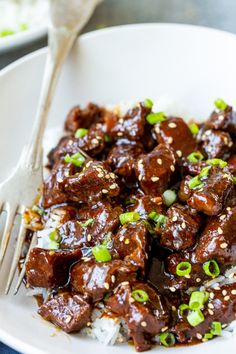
{"points": [[216, 328], [217, 162], [234, 180], [195, 182], [206, 296], [167, 339], [54, 236], [140, 295], [86, 223], [107, 138], [183, 268], [53, 245], [154, 118], [211, 268], [196, 300], [131, 216], [204, 172], [208, 335], [160, 219], [24, 26], [148, 103], [182, 308], [220, 104], [101, 253], [38, 210], [193, 128], [77, 159], [169, 197], [195, 318], [6, 32], [81, 132], [130, 201], [195, 157]]}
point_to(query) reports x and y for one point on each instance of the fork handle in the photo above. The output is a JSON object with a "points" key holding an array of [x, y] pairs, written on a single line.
{"points": [[60, 43]]}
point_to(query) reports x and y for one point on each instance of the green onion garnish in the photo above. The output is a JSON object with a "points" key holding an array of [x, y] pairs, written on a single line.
{"points": [[195, 182], [211, 268], [196, 300], [167, 339], [182, 308], [38, 210], [217, 162], [24, 26], [107, 138], [54, 236], [195, 318], [193, 128], [216, 328], [101, 253], [81, 132], [208, 335], [169, 197], [234, 180], [160, 219], [195, 157], [220, 104], [130, 201], [131, 216], [148, 103], [154, 118], [53, 245], [77, 159], [6, 32], [204, 172], [206, 296], [140, 295], [183, 268], [86, 223]]}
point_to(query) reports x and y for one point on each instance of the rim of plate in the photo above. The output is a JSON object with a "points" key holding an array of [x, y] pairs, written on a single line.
{"points": [[5, 337]]}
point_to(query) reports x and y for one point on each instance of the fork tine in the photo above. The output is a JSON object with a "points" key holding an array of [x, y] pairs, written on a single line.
{"points": [[22, 273], [11, 213], [19, 245]]}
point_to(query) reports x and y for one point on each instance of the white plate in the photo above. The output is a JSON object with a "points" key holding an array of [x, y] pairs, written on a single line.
{"points": [[191, 65]]}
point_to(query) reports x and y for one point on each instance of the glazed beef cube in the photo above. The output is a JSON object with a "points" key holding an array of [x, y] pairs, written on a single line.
{"points": [[216, 144], [154, 170], [181, 227], [103, 218], [193, 169], [93, 183], [84, 118], [218, 240], [122, 158], [175, 133], [144, 320], [211, 197], [220, 307], [131, 126], [95, 279], [223, 120], [232, 164], [69, 312], [144, 205], [132, 244], [49, 269]]}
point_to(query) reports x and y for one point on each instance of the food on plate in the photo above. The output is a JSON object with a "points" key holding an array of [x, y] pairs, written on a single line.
{"points": [[136, 227]]}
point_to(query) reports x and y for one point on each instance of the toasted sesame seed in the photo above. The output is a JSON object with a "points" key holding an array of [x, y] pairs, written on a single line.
{"points": [[212, 295], [94, 141], [125, 283], [211, 306], [224, 292], [183, 225], [144, 324], [100, 175], [113, 186], [210, 312], [106, 286], [222, 217], [89, 324], [155, 179], [121, 238], [230, 144], [127, 241], [223, 245], [220, 231], [173, 308], [112, 175], [157, 129], [198, 335], [172, 125], [172, 289], [172, 167], [204, 340], [228, 208], [89, 237], [187, 276], [164, 329], [170, 140], [221, 117], [198, 280], [216, 288], [68, 319], [159, 161], [174, 218], [226, 298], [113, 279], [233, 292], [179, 153], [119, 133], [51, 253], [121, 120], [104, 191], [131, 299]]}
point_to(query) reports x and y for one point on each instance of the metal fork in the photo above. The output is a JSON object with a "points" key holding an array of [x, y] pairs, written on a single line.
{"points": [[67, 17]]}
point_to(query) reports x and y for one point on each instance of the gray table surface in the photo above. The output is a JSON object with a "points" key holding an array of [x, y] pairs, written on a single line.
{"points": [[211, 13]]}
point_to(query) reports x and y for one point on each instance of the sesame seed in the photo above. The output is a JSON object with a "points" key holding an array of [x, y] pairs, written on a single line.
{"points": [[188, 276], [113, 186], [174, 218], [212, 295], [140, 162], [223, 245], [220, 231], [226, 298], [172, 125], [113, 279], [89, 237], [106, 286], [100, 175], [231, 275], [68, 319], [59, 179], [221, 117], [89, 324], [121, 120], [210, 312], [179, 153], [157, 129], [51, 253], [198, 335], [233, 292], [198, 280], [144, 324], [183, 225], [127, 241], [228, 208], [208, 132], [172, 167], [131, 299], [112, 175], [222, 217], [159, 161], [204, 340], [94, 141], [125, 283], [140, 178], [172, 289], [224, 292], [164, 329], [217, 288], [104, 191], [121, 238], [170, 140], [173, 308], [211, 306], [154, 178], [119, 133]]}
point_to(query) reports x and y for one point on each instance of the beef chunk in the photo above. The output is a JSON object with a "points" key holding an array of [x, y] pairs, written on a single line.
{"points": [[181, 227], [145, 204], [96, 279], [193, 169], [175, 133], [122, 158], [218, 240], [131, 126], [144, 320], [210, 198], [223, 120], [155, 169], [216, 144], [49, 269], [132, 243], [232, 164], [69, 312], [102, 219], [220, 307]]}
